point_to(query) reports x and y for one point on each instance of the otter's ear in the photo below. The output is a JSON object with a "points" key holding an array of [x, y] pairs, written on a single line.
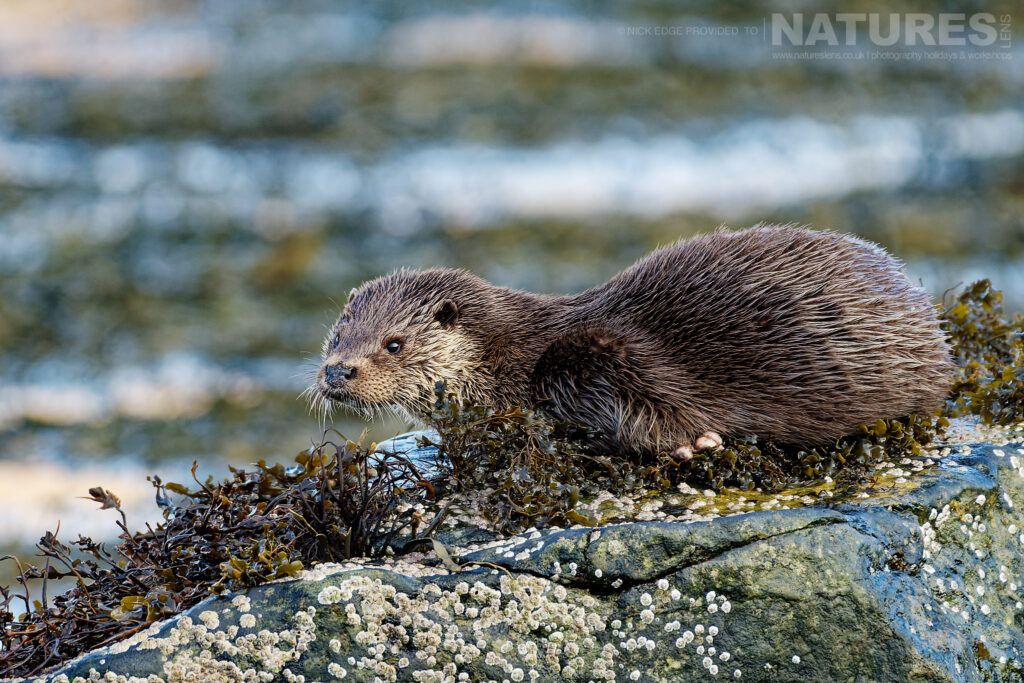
{"points": [[351, 294], [447, 313]]}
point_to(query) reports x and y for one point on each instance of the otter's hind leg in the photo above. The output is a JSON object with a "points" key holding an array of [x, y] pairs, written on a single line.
{"points": [[616, 381]]}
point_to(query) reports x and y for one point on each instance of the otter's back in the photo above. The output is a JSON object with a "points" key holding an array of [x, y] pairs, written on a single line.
{"points": [[802, 335]]}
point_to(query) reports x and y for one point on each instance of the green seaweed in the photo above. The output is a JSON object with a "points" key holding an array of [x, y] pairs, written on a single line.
{"points": [[988, 347], [763, 465], [526, 469]]}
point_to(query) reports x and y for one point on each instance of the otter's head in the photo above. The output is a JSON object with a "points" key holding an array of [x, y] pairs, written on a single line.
{"points": [[397, 337]]}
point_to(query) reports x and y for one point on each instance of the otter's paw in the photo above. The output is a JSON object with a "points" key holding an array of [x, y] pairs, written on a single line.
{"points": [[707, 440], [682, 453]]}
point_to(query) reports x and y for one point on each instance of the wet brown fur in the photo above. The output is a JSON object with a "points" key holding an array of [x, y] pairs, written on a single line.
{"points": [[782, 332]]}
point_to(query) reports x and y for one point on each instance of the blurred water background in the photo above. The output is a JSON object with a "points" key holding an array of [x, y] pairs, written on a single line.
{"points": [[187, 187]]}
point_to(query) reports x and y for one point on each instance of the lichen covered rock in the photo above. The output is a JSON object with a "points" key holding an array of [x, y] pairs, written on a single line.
{"points": [[918, 579]]}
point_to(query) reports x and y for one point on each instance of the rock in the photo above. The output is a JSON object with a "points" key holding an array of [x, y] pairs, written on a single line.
{"points": [[408, 446], [918, 581]]}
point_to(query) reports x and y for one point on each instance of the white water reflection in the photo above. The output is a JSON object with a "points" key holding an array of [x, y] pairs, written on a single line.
{"points": [[746, 168]]}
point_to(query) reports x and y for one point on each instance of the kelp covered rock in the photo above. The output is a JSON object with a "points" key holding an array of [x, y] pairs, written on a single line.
{"points": [[919, 578]]}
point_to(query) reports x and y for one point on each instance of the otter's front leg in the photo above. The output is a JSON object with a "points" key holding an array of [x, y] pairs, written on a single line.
{"points": [[616, 380]]}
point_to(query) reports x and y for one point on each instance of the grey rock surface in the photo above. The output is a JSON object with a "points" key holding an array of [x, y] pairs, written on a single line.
{"points": [[918, 581]]}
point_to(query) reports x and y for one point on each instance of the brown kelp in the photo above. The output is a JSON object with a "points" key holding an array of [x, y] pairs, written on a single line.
{"points": [[763, 465], [527, 469], [989, 349]]}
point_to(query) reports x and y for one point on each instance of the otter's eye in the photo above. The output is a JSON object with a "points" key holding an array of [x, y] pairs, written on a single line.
{"points": [[335, 340], [394, 346]]}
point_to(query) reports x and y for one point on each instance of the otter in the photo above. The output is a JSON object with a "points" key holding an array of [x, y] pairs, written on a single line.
{"points": [[782, 332]]}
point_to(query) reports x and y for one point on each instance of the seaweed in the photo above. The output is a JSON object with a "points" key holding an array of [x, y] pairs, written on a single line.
{"points": [[988, 347], [527, 470], [524, 468], [761, 464]]}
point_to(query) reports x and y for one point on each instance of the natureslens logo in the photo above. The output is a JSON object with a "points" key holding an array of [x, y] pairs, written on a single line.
{"points": [[870, 36], [888, 30]]}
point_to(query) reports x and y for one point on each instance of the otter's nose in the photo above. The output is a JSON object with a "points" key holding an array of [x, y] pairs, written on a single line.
{"points": [[338, 373]]}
